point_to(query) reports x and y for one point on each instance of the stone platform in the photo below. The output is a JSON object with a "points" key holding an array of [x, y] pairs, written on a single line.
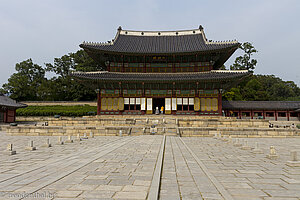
{"points": [[147, 167], [140, 125]]}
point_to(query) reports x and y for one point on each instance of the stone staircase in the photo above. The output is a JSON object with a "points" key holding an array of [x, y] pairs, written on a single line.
{"points": [[164, 126]]}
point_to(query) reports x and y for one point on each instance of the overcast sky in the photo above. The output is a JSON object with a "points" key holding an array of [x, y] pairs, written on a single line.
{"points": [[45, 29]]}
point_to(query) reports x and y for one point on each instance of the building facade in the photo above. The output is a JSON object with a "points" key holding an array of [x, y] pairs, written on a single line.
{"points": [[145, 70]]}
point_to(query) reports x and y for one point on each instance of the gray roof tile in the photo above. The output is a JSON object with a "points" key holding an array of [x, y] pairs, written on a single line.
{"points": [[261, 105], [167, 42], [8, 102], [191, 76]]}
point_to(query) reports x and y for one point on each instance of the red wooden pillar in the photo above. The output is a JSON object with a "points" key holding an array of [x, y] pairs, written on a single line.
{"points": [[264, 114], [240, 114], [251, 113], [98, 102], [120, 95], [288, 115], [275, 115]]}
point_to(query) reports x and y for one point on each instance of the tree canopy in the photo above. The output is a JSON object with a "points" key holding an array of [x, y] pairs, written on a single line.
{"points": [[264, 88], [245, 62], [29, 83], [26, 82]]}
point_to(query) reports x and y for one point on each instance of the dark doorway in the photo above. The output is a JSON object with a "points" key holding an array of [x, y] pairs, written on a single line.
{"points": [[158, 102]]}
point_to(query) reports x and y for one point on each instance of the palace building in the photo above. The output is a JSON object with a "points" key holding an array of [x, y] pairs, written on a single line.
{"points": [[179, 70]]}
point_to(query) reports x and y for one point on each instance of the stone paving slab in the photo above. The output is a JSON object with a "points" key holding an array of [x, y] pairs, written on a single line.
{"points": [[111, 167], [117, 170], [246, 175]]}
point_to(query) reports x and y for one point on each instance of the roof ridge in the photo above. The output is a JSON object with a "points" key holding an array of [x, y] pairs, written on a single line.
{"points": [[161, 33], [199, 31]]}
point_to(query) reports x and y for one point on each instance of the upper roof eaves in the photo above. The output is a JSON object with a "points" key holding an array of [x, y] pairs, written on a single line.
{"points": [[130, 41]]}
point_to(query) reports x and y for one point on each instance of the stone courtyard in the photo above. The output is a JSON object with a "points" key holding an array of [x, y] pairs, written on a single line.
{"points": [[148, 167]]}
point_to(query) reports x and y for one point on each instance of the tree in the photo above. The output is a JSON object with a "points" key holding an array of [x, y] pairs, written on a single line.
{"points": [[24, 84], [245, 62], [233, 94], [254, 91], [68, 89], [264, 88], [83, 62]]}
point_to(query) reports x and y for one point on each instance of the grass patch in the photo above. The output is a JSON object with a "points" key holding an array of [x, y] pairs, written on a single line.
{"points": [[73, 111]]}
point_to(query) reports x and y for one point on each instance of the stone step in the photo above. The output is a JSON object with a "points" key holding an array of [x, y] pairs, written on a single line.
{"points": [[170, 134]]}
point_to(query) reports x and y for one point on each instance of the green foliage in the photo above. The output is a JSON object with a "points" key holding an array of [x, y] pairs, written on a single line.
{"points": [[24, 84], [264, 88], [30, 84], [298, 126], [233, 95], [65, 87], [245, 62], [83, 62], [57, 110]]}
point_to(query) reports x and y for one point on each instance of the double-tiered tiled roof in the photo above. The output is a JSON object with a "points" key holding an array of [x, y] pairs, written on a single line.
{"points": [[190, 42], [160, 42]]}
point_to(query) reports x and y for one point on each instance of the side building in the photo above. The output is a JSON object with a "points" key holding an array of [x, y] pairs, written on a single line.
{"points": [[8, 109], [145, 70], [271, 110]]}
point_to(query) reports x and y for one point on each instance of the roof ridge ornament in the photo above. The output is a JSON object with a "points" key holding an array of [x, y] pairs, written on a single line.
{"points": [[201, 27], [120, 28]]}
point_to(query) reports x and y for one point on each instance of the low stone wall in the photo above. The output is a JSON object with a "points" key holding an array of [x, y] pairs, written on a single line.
{"points": [[260, 123], [239, 132], [135, 120], [140, 130], [284, 123], [62, 131]]}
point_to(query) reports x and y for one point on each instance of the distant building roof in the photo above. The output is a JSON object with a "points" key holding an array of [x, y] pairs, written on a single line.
{"points": [[188, 76], [160, 42], [8, 102], [261, 105]]}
